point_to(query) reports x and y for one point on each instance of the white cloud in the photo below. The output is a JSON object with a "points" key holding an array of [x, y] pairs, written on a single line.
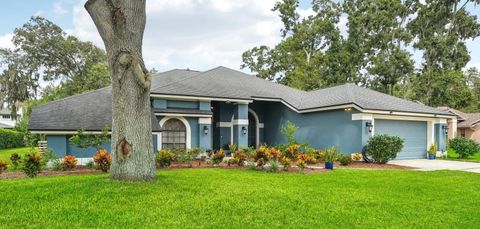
{"points": [[38, 13], [198, 34], [6, 41], [58, 9], [472, 65]]}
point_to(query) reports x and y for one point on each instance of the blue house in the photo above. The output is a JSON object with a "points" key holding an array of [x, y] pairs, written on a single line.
{"points": [[214, 108]]}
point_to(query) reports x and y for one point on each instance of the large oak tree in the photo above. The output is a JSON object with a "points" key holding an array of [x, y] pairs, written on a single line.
{"points": [[121, 24]]}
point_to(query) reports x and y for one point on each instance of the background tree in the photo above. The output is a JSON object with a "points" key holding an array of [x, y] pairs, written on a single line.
{"points": [[376, 49], [121, 24], [43, 51], [441, 29]]}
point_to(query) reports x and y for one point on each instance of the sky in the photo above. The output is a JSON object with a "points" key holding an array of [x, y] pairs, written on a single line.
{"points": [[195, 34]]}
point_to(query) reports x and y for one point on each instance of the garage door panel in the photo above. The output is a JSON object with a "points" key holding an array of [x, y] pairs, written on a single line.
{"points": [[414, 134]]}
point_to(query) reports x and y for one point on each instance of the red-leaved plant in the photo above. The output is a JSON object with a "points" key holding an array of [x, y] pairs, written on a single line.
{"points": [[69, 162], [103, 160]]}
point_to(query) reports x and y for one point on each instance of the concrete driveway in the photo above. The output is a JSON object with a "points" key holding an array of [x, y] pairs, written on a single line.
{"points": [[431, 165]]}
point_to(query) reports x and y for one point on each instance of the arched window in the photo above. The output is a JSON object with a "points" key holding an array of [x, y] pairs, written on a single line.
{"points": [[174, 134]]}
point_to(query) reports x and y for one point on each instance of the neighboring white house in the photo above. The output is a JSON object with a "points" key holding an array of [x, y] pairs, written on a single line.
{"points": [[6, 119]]}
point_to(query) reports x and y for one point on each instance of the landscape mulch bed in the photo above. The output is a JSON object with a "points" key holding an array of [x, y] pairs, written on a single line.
{"points": [[314, 169]]}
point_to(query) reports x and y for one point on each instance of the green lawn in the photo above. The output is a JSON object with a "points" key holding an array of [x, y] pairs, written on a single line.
{"points": [[452, 155], [218, 198], [6, 153]]}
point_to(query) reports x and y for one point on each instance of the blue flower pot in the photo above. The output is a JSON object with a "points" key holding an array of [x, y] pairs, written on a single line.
{"points": [[329, 165], [431, 157]]}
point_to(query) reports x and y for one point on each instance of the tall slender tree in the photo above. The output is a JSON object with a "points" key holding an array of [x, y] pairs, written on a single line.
{"points": [[121, 24]]}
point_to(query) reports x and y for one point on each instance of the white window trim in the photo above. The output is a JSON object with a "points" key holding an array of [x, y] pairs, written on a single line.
{"points": [[188, 144], [257, 126]]}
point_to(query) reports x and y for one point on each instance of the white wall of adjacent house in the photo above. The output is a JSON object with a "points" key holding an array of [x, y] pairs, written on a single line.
{"points": [[6, 118]]}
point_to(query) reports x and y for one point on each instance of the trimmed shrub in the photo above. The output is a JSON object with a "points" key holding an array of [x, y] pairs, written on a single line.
{"points": [[187, 156], [331, 154], [261, 156], [103, 160], [164, 158], [15, 158], [90, 165], [32, 164], [217, 157], [292, 150], [10, 139], [286, 163], [345, 160], [69, 162], [383, 148], [275, 154], [3, 166], [239, 157], [273, 167], [464, 147]]}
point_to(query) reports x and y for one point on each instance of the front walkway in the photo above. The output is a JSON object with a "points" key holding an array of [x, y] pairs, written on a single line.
{"points": [[431, 165]]}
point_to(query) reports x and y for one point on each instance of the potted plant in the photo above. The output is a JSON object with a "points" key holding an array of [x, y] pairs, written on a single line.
{"points": [[331, 155], [432, 151]]}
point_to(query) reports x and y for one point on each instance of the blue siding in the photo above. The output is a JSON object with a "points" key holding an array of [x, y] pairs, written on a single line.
{"points": [[205, 105], [88, 152], [319, 129], [57, 144], [182, 104], [205, 140], [60, 145], [414, 134], [160, 103]]}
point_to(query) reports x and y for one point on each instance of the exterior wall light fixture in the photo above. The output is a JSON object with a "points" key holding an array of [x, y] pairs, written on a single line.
{"points": [[244, 130], [205, 130], [369, 126]]}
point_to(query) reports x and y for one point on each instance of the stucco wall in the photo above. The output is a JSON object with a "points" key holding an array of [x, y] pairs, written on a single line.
{"points": [[473, 133], [60, 145], [319, 129]]}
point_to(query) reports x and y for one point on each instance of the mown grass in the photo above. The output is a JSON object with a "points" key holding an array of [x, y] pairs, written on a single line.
{"points": [[6, 153], [452, 155], [217, 198]]}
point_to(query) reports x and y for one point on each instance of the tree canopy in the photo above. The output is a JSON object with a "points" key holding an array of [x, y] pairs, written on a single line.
{"points": [[43, 53], [376, 48]]}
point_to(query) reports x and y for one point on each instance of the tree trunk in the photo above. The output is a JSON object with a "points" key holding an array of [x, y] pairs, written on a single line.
{"points": [[121, 24]]}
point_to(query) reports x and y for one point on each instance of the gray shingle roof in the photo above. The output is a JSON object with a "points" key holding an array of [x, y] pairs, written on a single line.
{"points": [[223, 82], [92, 110]]}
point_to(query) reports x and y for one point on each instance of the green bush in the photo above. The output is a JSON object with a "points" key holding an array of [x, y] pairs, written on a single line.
{"points": [[164, 158], [10, 139], [32, 164], [217, 157], [383, 148], [3, 166], [187, 156], [345, 160], [464, 147], [16, 159], [331, 154], [433, 149]]}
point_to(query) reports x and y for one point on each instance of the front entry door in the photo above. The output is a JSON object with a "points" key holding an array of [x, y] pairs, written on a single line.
{"points": [[252, 131]]}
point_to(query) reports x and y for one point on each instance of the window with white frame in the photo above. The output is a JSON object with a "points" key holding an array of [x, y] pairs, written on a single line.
{"points": [[174, 134]]}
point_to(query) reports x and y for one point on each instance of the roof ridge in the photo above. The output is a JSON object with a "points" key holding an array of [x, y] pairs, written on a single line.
{"points": [[176, 81], [73, 96]]}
